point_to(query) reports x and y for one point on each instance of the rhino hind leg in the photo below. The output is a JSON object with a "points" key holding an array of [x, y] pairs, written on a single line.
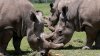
{"points": [[5, 37], [17, 43], [97, 41], [91, 35]]}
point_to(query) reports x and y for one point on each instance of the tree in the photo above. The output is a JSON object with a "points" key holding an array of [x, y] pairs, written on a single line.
{"points": [[40, 1], [53, 0]]}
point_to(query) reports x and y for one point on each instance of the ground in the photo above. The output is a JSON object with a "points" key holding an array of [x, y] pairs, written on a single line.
{"points": [[73, 48]]}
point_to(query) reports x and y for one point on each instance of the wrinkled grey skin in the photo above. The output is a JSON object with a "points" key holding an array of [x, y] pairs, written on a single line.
{"points": [[79, 15]]}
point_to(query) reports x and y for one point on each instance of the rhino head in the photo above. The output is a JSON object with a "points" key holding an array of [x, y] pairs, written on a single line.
{"points": [[53, 19], [37, 39], [65, 28]]}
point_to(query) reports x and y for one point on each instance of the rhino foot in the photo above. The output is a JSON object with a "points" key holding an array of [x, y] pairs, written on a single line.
{"points": [[86, 48], [96, 47], [18, 52]]}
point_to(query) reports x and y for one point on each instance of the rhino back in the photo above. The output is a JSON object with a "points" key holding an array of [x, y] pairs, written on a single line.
{"points": [[85, 13], [90, 13], [13, 11]]}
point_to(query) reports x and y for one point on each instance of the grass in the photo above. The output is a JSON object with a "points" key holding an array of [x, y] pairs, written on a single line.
{"points": [[73, 48], [43, 7]]}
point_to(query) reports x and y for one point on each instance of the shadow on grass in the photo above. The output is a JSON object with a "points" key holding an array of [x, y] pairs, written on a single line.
{"points": [[13, 53], [95, 48], [70, 47]]}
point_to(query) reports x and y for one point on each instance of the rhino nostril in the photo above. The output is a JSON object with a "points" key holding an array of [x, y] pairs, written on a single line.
{"points": [[42, 53], [60, 31]]}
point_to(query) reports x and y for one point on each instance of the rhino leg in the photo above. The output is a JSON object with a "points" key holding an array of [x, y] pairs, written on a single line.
{"points": [[91, 35], [97, 41], [5, 37], [17, 42]]}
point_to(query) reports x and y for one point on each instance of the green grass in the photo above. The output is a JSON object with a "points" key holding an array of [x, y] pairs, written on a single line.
{"points": [[73, 48], [43, 7]]}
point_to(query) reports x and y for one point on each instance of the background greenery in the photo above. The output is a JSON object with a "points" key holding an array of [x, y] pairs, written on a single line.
{"points": [[73, 48], [41, 1]]}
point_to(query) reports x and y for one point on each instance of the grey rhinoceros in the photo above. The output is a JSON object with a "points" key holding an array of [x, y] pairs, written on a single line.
{"points": [[18, 18], [78, 15]]}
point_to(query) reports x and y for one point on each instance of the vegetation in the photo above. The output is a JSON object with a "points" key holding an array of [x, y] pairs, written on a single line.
{"points": [[73, 48]]}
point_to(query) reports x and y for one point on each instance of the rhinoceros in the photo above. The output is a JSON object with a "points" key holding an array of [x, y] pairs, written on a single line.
{"points": [[78, 15], [18, 18], [53, 19]]}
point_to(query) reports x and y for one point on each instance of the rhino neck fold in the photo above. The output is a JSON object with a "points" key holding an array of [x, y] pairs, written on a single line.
{"points": [[24, 27], [78, 22], [25, 24]]}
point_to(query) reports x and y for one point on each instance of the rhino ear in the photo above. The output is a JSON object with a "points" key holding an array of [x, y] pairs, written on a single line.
{"points": [[51, 5], [64, 10], [39, 13], [33, 17], [37, 16]]}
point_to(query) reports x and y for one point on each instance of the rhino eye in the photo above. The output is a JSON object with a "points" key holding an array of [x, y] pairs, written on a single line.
{"points": [[62, 16]]}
